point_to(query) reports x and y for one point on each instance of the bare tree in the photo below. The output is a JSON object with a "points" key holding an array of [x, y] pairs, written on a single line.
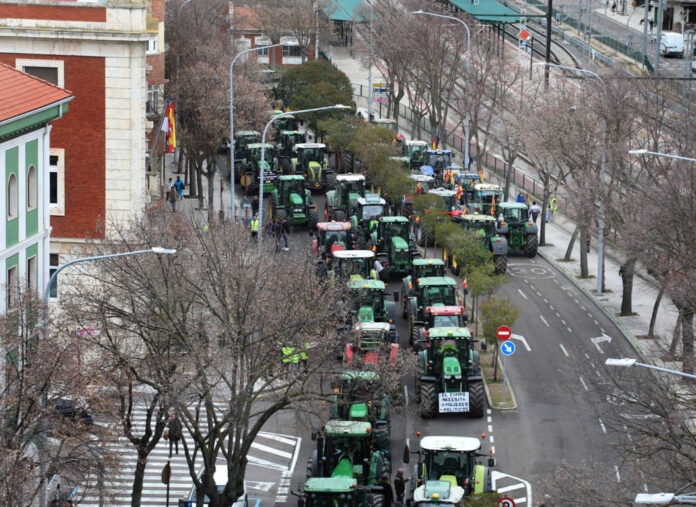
{"points": [[297, 18]]}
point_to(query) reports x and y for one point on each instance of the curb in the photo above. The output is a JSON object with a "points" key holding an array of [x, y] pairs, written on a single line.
{"points": [[630, 337], [513, 398]]}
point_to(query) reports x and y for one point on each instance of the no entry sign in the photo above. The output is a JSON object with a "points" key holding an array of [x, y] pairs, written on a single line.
{"points": [[503, 333]]}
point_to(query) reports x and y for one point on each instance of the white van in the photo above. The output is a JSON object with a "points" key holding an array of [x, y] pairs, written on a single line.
{"points": [[220, 477], [672, 44]]}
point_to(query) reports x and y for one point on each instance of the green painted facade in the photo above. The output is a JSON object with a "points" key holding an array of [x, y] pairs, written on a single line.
{"points": [[11, 167], [32, 122], [31, 157]]}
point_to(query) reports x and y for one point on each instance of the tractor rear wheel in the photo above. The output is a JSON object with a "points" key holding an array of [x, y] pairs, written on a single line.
{"points": [[415, 335], [339, 215], [278, 214], [500, 264], [428, 401], [532, 243], [346, 162], [312, 218], [331, 181], [476, 401], [377, 500], [286, 165]]}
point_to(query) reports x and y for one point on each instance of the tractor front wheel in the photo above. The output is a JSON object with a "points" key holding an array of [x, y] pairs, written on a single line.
{"points": [[312, 218], [286, 165], [500, 264], [278, 214], [476, 402], [428, 401], [377, 500], [532, 244], [331, 181], [415, 336]]}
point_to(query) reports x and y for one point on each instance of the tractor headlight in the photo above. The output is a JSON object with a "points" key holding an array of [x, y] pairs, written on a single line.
{"points": [[458, 377], [448, 377]]}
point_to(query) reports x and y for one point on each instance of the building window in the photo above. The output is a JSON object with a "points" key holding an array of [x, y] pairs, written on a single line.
{"points": [[54, 263], [56, 181], [12, 197], [52, 71], [31, 188], [31, 273], [153, 46], [292, 51], [263, 52], [153, 99], [11, 286]]}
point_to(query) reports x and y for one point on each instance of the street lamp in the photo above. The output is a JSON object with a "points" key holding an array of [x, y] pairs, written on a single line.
{"points": [[47, 296], [234, 60], [664, 498], [632, 362], [263, 149], [468, 67], [602, 171], [658, 154]]}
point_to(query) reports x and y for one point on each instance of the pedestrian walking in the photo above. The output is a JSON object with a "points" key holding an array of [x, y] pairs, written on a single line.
{"points": [[652, 24], [285, 229], [400, 487], [172, 197], [175, 434], [548, 213], [254, 226], [170, 185], [520, 197], [613, 8], [179, 185], [387, 490], [255, 205], [534, 210]]}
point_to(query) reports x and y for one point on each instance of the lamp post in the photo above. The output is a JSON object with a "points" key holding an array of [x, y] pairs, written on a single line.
{"points": [[468, 67], [602, 172], [632, 362], [658, 154], [263, 151], [47, 296], [664, 499], [234, 60]]}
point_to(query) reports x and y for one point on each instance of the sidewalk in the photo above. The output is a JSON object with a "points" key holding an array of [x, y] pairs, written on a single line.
{"points": [[633, 19], [558, 234]]}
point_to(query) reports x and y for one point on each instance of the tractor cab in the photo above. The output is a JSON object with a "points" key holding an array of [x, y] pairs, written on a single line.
{"points": [[287, 142], [331, 237], [429, 292], [287, 122], [341, 202], [454, 460], [438, 161], [311, 162], [329, 492], [291, 200], [468, 181], [368, 302], [352, 264], [415, 151], [394, 245], [517, 227], [356, 398], [485, 228], [367, 212], [252, 170], [436, 493], [420, 184], [242, 139], [370, 341], [449, 198], [445, 316], [487, 197], [386, 123]]}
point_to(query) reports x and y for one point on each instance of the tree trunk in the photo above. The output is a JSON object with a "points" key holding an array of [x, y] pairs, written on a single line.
{"points": [[676, 334], [545, 202], [688, 340], [584, 273], [508, 177], [653, 318], [139, 475], [571, 244], [193, 182], [179, 162], [199, 183], [627, 296]]}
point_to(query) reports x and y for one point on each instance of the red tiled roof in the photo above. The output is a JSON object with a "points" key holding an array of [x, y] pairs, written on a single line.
{"points": [[246, 18], [22, 93]]}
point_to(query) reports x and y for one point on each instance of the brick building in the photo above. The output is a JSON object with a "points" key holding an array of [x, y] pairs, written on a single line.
{"points": [[100, 51]]}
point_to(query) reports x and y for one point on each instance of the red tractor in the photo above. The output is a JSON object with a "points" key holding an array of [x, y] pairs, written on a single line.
{"points": [[441, 316], [370, 341], [332, 236]]}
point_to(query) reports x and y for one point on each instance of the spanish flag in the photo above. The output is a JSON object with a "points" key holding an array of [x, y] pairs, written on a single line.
{"points": [[460, 191], [169, 126], [526, 199], [436, 141], [481, 174]]}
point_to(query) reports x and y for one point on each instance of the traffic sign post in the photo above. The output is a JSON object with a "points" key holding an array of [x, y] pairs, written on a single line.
{"points": [[506, 501], [503, 333], [507, 348]]}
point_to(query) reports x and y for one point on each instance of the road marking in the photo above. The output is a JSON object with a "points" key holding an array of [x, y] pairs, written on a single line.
{"points": [[490, 419], [271, 450], [602, 330], [546, 301], [618, 475], [587, 355], [265, 464], [558, 315], [555, 281], [520, 338], [490, 428], [488, 411], [576, 300], [604, 429], [552, 308], [491, 438], [263, 486], [538, 293], [511, 488], [406, 394], [583, 307], [563, 349], [522, 294], [526, 281], [583, 384], [533, 261], [544, 320], [493, 450], [569, 330], [297, 454], [589, 314], [532, 287], [596, 323], [277, 438], [645, 487], [563, 322], [600, 339]]}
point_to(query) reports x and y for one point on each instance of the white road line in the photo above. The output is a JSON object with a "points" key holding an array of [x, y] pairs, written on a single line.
{"points": [[583, 384], [563, 349], [488, 411], [490, 428], [533, 261], [645, 487], [589, 314], [583, 307], [493, 450], [576, 300], [271, 450], [406, 394], [532, 287], [604, 429], [544, 320], [297, 454], [538, 293], [558, 315], [552, 308], [492, 439], [563, 322], [526, 281], [546, 301], [602, 330], [490, 419], [511, 488], [618, 475], [569, 330], [278, 438], [522, 294], [587, 355], [264, 463], [555, 281], [596, 323], [598, 374]]}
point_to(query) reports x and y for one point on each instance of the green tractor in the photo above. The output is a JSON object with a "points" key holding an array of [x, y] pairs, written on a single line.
{"points": [[252, 169], [415, 152], [366, 215], [448, 378], [485, 228], [242, 140], [368, 303], [420, 268], [352, 264], [353, 398], [454, 460], [287, 141], [486, 199], [518, 228], [287, 122], [352, 455], [291, 200], [311, 162], [394, 245], [429, 292], [342, 201]]}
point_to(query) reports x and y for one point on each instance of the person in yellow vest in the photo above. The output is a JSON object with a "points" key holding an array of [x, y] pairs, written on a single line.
{"points": [[254, 225], [294, 358]]}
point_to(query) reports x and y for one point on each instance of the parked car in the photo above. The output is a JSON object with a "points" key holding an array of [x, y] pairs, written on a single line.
{"points": [[67, 408], [672, 44]]}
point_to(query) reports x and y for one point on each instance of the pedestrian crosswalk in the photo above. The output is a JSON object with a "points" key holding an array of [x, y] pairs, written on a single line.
{"points": [[271, 455]]}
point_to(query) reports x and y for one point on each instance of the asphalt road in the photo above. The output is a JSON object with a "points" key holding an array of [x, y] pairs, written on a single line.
{"points": [[555, 372]]}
